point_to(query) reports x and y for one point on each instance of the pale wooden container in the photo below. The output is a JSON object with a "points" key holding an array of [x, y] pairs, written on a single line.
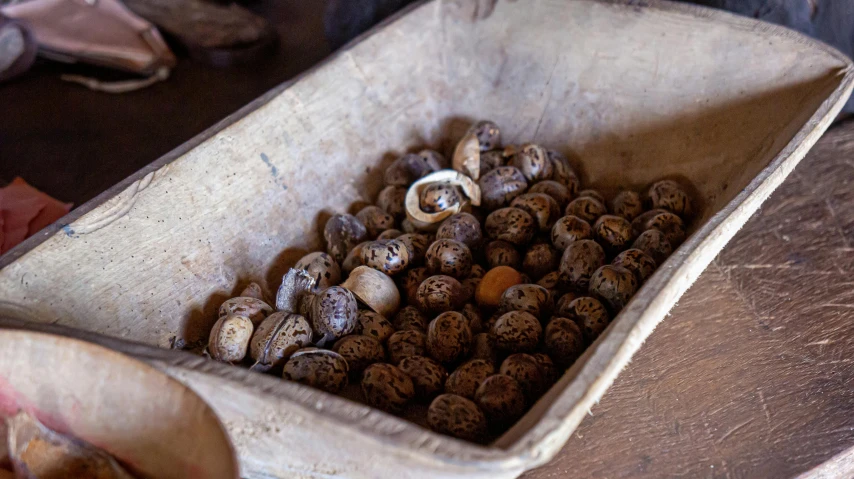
{"points": [[635, 93]]}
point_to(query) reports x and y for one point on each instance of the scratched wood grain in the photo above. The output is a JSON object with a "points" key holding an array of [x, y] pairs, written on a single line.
{"points": [[752, 375]]}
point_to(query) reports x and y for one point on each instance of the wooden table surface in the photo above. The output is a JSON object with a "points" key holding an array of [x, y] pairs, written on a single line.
{"points": [[751, 376]]}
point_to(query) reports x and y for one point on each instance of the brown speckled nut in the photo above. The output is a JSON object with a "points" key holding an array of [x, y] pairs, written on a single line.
{"points": [[469, 287], [525, 369], [669, 224], [540, 260], [548, 368], [562, 304], [406, 169], [614, 285], [448, 337], [342, 232], [374, 325], [560, 193], [389, 256], [353, 259], [449, 257], [334, 313], [563, 341], [229, 338], [670, 195], [254, 309], [534, 162], [440, 293], [437, 197], [502, 253], [427, 376], [386, 387], [579, 261], [277, 337], [490, 160], [468, 377], [462, 227], [410, 318], [529, 298], [390, 234], [568, 230], [542, 208], [499, 186], [360, 351], [392, 199], [516, 332], [375, 220], [636, 261], [318, 368], [586, 208], [458, 417], [436, 160], [562, 172], [488, 134], [409, 283], [613, 232], [639, 224], [417, 244], [501, 399], [551, 281], [627, 204], [655, 244], [473, 316], [589, 314], [404, 344], [510, 224], [483, 346], [322, 267]]}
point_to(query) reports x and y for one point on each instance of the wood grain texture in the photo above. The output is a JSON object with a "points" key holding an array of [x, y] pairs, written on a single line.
{"points": [[752, 374]]}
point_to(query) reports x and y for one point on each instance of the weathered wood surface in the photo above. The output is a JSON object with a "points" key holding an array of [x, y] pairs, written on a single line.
{"points": [[752, 374]]}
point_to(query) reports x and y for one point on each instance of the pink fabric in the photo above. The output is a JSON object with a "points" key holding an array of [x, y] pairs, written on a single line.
{"points": [[24, 211]]}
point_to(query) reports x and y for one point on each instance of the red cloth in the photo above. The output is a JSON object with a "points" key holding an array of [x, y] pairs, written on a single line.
{"points": [[24, 211]]}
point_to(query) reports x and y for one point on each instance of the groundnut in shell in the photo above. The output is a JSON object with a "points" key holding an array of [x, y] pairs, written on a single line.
{"points": [[440, 293], [568, 230], [374, 325], [559, 192], [589, 314], [563, 341], [540, 260], [449, 257], [627, 204], [655, 244], [636, 261], [389, 234], [613, 232], [529, 298], [501, 399], [458, 417], [392, 199], [410, 281], [542, 208], [488, 134], [334, 313], [580, 259], [229, 338], [322, 267], [516, 332], [502, 253], [670, 195], [342, 232], [277, 337], [319, 368], [353, 259], [499, 186], [462, 227], [614, 285], [427, 376], [389, 256], [417, 244], [404, 344], [525, 369], [510, 224], [360, 351], [669, 224], [375, 219], [410, 318], [386, 387], [586, 208], [465, 380], [534, 162], [448, 337]]}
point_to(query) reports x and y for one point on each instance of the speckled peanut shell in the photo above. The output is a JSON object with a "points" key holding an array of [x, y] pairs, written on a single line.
{"points": [[409, 282], [438, 197], [404, 344], [334, 313], [563, 173], [488, 134], [516, 332], [277, 337], [613, 232], [548, 368], [589, 314], [462, 227], [322, 267], [342, 232], [636, 261], [465, 380], [614, 285], [563, 341], [410, 318], [627, 204], [389, 234], [559, 192], [254, 309], [669, 224], [499, 186], [639, 223], [580, 259], [526, 371], [360, 351], [439, 293], [483, 347], [374, 325], [406, 169], [353, 259], [428, 376], [534, 162], [568, 230], [389, 256], [375, 219], [501, 399], [229, 338], [392, 199], [490, 160], [586, 208], [434, 159], [474, 318], [386, 387], [540, 260], [655, 244], [417, 244], [542, 208], [502, 253], [458, 417], [510, 224], [562, 304], [448, 337], [529, 298], [670, 195], [318, 368], [449, 257]]}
